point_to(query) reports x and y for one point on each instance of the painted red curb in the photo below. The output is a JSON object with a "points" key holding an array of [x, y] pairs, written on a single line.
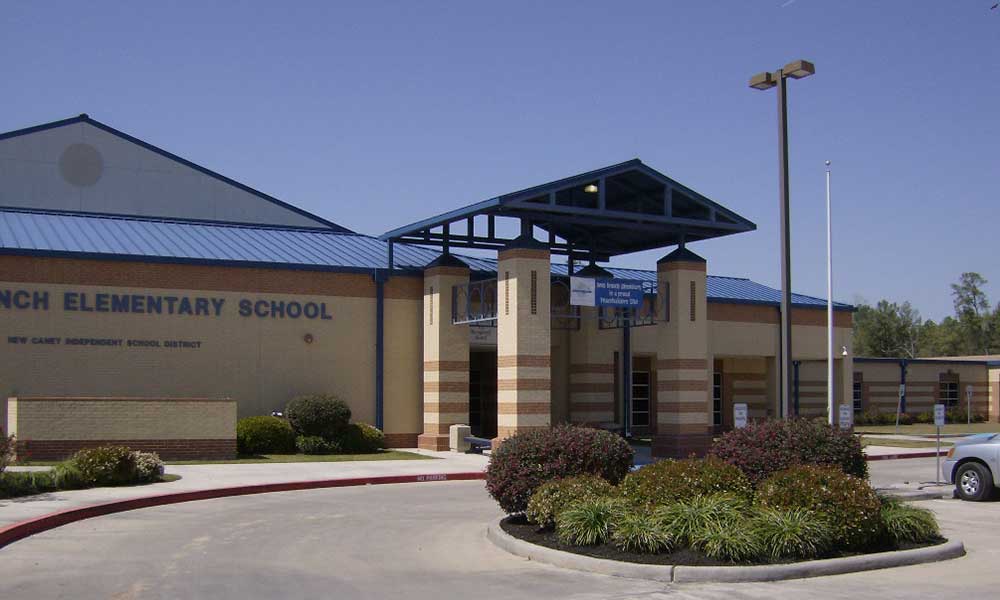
{"points": [[906, 455], [23, 529]]}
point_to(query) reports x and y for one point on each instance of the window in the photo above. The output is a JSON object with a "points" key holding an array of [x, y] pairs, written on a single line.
{"points": [[431, 305], [506, 292], [693, 296], [948, 389], [859, 386], [717, 399], [666, 301], [640, 398], [534, 292]]}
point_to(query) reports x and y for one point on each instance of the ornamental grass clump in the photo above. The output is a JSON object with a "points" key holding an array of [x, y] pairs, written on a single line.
{"points": [[848, 503], [528, 459], [909, 524], [767, 446], [668, 481], [640, 533], [588, 522], [555, 496], [732, 542], [792, 533], [684, 521]]}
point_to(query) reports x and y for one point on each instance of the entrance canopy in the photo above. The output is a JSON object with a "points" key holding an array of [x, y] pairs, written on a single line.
{"points": [[619, 209]]}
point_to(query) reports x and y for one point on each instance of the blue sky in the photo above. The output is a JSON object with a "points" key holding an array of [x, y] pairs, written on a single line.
{"points": [[378, 114]]}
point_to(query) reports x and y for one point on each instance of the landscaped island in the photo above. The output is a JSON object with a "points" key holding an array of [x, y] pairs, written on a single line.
{"points": [[775, 492]]}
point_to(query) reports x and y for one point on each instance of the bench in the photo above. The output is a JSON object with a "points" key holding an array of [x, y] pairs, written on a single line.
{"points": [[477, 444]]}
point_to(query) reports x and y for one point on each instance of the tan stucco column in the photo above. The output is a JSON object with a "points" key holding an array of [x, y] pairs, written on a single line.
{"points": [[524, 339], [684, 406], [446, 355]]}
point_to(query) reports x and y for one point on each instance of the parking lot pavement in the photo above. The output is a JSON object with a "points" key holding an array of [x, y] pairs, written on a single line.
{"points": [[424, 540]]}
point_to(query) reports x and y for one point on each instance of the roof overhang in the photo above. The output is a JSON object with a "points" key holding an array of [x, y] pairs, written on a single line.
{"points": [[619, 209]]}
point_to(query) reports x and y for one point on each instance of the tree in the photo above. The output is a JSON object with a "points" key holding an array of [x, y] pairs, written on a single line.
{"points": [[887, 330], [972, 308]]}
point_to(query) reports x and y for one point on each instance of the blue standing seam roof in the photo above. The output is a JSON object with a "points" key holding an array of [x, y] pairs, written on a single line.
{"points": [[105, 236]]}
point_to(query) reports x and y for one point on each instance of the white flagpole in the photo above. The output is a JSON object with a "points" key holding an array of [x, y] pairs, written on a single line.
{"points": [[829, 303]]}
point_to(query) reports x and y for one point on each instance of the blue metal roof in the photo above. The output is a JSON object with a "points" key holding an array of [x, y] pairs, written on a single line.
{"points": [[82, 235]]}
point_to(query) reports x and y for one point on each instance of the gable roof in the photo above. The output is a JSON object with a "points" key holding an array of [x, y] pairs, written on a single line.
{"points": [[619, 209], [320, 222]]}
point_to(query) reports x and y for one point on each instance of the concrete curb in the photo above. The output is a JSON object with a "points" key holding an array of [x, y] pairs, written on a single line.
{"points": [[686, 574], [578, 562], [930, 454], [23, 529]]}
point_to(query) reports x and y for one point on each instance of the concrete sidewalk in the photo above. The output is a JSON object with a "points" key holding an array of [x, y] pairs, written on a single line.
{"points": [[897, 451], [201, 477]]}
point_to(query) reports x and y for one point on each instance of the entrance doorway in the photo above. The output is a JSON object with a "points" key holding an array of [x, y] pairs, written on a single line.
{"points": [[483, 393]]}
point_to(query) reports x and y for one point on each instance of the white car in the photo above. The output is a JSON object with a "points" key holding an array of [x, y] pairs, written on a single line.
{"points": [[973, 465]]}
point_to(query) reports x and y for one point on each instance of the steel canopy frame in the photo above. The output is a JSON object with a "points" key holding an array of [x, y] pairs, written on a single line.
{"points": [[594, 233]]}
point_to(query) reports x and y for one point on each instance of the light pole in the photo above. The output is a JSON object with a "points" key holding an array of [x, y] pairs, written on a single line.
{"points": [[765, 81], [829, 302]]}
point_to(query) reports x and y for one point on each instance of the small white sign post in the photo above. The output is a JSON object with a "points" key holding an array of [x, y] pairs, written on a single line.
{"points": [[846, 416], [739, 415], [938, 424], [899, 404], [968, 401]]}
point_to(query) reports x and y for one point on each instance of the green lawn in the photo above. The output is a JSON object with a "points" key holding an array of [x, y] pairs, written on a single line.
{"points": [[275, 459], [896, 443], [924, 429], [297, 458]]}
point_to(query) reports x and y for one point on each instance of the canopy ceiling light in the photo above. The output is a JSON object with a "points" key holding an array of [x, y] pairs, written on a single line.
{"points": [[590, 188]]}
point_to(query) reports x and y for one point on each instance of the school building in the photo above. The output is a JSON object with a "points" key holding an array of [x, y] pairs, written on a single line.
{"points": [[144, 284]]}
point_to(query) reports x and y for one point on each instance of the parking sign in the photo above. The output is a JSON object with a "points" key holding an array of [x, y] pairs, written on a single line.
{"points": [[939, 415], [846, 416], [740, 415]]}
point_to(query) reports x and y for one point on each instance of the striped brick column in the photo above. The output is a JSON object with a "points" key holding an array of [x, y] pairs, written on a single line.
{"points": [[684, 407], [591, 373], [446, 355], [524, 340]]}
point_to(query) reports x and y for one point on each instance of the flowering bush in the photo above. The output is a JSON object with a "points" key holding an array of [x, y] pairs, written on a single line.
{"points": [[527, 459], [850, 505], [106, 465], [6, 450], [667, 481], [554, 496], [148, 466], [765, 447]]}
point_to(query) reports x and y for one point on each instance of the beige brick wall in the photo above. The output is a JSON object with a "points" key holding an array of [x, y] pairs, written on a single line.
{"points": [[34, 419]]}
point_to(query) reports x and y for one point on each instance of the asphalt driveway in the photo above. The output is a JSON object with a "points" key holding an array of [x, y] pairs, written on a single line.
{"points": [[415, 540]]}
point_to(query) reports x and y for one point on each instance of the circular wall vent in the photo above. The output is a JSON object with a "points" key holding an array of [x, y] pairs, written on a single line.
{"points": [[81, 165]]}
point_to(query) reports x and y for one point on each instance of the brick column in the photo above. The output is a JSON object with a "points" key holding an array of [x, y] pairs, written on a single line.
{"points": [[591, 372], [446, 354], [684, 403], [524, 339]]}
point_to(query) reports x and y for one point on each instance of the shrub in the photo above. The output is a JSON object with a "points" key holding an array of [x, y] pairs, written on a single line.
{"points": [[313, 444], [849, 504], [667, 481], [904, 523], [792, 533], [148, 466], [959, 415], [106, 465], [588, 522], [765, 447], [734, 544], [688, 519], [264, 435], [318, 414], [6, 449], [25, 483], [924, 418], [553, 497], [67, 476], [640, 533], [361, 438], [527, 459], [904, 419]]}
